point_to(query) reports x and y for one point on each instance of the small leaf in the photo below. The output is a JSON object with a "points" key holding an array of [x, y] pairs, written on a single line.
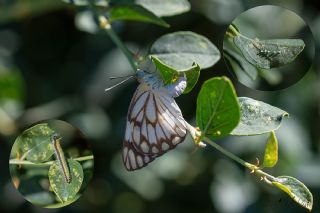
{"points": [[169, 74], [180, 50], [218, 111], [268, 54], [65, 191], [133, 12], [11, 84], [35, 143], [296, 190], [271, 152], [257, 117], [167, 7]]}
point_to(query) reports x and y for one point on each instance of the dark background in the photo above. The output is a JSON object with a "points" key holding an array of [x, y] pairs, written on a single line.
{"points": [[51, 69]]}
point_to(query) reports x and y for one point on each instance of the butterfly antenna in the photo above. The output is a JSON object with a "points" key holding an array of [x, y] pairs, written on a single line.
{"points": [[121, 82]]}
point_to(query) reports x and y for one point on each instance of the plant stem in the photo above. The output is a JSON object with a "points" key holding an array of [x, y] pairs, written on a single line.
{"points": [[114, 37], [250, 166], [25, 162], [104, 24]]}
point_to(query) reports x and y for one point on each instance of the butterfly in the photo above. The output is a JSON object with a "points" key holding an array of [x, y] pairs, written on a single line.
{"points": [[155, 123]]}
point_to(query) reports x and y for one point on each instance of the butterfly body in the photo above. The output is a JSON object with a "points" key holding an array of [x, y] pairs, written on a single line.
{"points": [[155, 123]]}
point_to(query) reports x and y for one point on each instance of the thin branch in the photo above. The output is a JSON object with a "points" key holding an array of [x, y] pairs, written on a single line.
{"points": [[25, 162]]}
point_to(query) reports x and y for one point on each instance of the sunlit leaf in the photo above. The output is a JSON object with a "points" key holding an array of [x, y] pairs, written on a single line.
{"points": [[218, 111], [165, 7], [133, 12], [271, 151], [35, 143], [65, 191], [268, 54], [180, 50], [257, 117], [170, 74], [296, 190]]}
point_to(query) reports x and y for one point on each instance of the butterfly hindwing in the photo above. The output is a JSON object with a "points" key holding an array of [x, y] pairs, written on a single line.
{"points": [[154, 126]]}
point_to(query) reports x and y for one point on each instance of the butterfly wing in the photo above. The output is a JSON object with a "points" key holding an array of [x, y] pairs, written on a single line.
{"points": [[155, 125]]}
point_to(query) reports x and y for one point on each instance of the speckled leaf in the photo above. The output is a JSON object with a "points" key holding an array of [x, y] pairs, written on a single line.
{"points": [[165, 7], [271, 152], [268, 54], [296, 190], [169, 74], [218, 109], [180, 50], [65, 191], [133, 12], [35, 143], [257, 117]]}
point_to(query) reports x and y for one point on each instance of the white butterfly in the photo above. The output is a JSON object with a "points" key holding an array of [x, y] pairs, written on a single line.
{"points": [[155, 123]]}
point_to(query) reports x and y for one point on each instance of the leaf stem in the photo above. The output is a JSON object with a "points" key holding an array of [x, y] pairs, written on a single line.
{"points": [[25, 162], [255, 169]]}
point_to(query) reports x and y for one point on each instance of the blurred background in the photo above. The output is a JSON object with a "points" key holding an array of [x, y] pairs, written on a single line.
{"points": [[53, 65]]}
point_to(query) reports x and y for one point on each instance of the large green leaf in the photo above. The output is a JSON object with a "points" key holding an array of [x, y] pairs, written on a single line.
{"points": [[169, 74], [65, 191], [133, 12], [218, 111], [271, 151], [180, 50], [296, 190], [268, 54], [165, 7], [35, 143], [257, 117]]}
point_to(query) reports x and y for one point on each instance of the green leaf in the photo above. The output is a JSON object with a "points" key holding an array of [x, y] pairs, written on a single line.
{"points": [[218, 111], [165, 7], [296, 190], [271, 152], [258, 117], [181, 49], [268, 54], [133, 12], [169, 74], [35, 143], [65, 191]]}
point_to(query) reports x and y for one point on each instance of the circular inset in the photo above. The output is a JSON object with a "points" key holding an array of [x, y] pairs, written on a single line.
{"points": [[268, 48], [51, 164]]}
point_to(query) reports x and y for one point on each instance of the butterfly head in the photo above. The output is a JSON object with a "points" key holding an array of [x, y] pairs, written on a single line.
{"points": [[150, 79]]}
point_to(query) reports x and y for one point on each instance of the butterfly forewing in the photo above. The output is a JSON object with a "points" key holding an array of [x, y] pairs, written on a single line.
{"points": [[154, 126]]}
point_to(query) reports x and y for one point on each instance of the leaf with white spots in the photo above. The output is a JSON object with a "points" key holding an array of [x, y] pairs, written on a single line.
{"points": [[296, 190], [258, 117], [35, 143], [66, 191], [268, 54]]}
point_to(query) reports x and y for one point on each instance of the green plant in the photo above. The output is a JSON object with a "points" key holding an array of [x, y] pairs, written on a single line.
{"points": [[219, 111]]}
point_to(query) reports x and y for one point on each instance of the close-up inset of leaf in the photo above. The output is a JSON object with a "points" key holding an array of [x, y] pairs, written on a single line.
{"points": [[268, 54]]}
